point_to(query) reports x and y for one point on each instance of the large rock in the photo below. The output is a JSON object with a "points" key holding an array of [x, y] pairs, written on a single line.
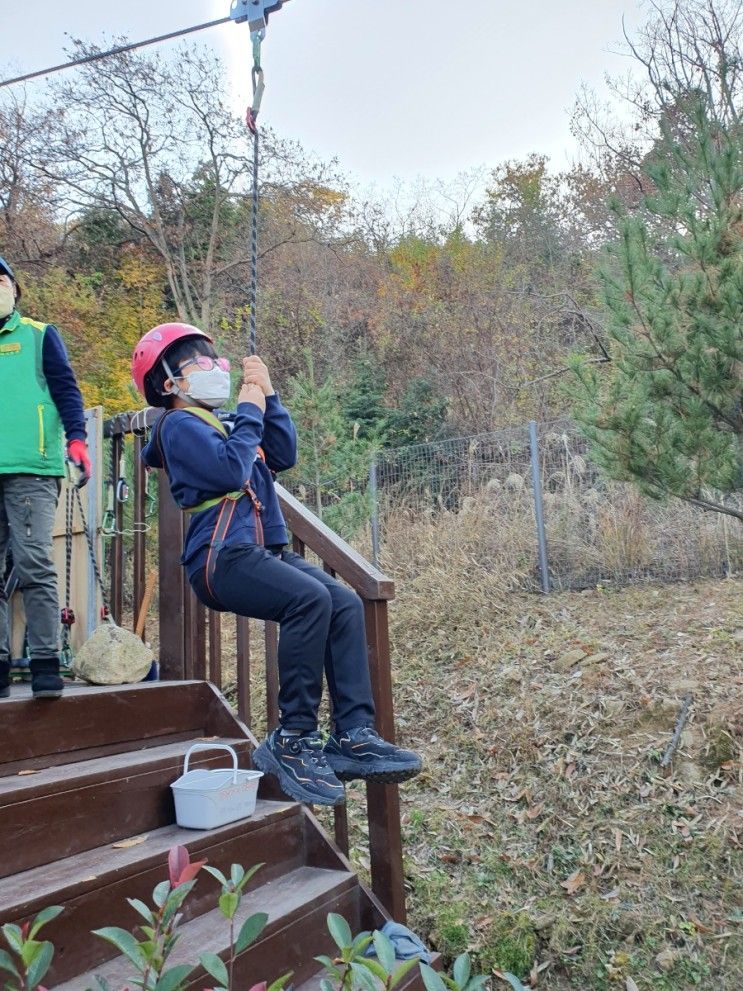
{"points": [[112, 656]]}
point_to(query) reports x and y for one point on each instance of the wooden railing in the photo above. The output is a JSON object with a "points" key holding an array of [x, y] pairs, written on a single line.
{"points": [[191, 635]]}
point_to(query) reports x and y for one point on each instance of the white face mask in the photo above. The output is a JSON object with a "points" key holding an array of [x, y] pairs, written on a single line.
{"points": [[7, 301], [212, 387]]}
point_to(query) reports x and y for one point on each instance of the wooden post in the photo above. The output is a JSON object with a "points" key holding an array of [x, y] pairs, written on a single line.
{"points": [[272, 674], [242, 662], [194, 629], [215, 648], [172, 641], [199, 619], [139, 563], [383, 801]]}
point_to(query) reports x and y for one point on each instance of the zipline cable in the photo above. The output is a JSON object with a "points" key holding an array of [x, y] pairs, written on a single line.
{"points": [[114, 51]]}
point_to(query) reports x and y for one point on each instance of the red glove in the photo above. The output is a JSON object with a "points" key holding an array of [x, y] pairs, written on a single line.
{"points": [[77, 452]]}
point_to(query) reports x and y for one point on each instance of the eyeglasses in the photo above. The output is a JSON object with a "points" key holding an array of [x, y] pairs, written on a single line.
{"points": [[206, 362]]}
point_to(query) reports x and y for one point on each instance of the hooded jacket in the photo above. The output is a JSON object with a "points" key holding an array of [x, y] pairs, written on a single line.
{"points": [[202, 464]]}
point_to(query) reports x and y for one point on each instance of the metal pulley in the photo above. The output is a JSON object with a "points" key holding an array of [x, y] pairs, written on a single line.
{"points": [[255, 12]]}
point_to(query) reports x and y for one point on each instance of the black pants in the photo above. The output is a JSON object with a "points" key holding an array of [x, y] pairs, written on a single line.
{"points": [[321, 626]]}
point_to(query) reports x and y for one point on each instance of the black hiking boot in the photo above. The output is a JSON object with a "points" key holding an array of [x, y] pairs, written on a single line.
{"points": [[300, 766], [4, 679], [362, 753], [45, 680]]}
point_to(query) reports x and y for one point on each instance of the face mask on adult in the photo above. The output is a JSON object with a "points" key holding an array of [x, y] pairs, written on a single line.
{"points": [[212, 387], [7, 301]]}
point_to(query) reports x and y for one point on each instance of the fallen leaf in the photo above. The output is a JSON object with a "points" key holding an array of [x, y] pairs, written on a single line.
{"points": [[134, 841], [570, 659], [667, 958], [629, 985], [574, 883], [206, 739], [29, 771]]}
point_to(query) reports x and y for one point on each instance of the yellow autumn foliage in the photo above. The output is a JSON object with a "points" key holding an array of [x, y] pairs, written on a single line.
{"points": [[100, 320]]}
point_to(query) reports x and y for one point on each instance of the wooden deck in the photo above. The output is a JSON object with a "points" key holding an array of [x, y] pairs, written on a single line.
{"points": [[81, 774]]}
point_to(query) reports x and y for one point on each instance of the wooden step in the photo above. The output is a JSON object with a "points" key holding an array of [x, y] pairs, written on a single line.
{"points": [[89, 722], [93, 886], [61, 811], [297, 905]]}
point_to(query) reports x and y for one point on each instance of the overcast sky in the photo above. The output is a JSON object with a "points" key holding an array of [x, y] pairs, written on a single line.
{"points": [[392, 88]]}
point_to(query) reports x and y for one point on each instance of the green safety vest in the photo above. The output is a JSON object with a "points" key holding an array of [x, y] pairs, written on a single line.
{"points": [[31, 440]]}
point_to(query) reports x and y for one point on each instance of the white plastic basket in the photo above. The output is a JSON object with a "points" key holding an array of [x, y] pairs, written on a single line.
{"points": [[205, 798]]}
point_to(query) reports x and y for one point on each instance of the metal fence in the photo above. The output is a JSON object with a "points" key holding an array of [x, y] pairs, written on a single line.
{"points": [[500, 489]]}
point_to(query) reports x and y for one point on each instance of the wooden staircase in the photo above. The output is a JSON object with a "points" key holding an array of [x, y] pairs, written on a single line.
{"points": [[80, 775]]}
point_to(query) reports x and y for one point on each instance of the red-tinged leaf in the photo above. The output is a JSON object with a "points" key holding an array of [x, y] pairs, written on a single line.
{"points": [[260, 987], [25, 926], [574, 883], [178, 861], [189, 872]]}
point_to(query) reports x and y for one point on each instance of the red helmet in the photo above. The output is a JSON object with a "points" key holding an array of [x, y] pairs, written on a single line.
{"points": [[150, 349]]}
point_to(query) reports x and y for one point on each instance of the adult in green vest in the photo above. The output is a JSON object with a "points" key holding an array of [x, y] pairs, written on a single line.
{"points": [[41, 401]]}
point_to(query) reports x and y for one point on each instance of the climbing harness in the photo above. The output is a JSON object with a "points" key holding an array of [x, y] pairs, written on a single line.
{"points": [[227, 502]]}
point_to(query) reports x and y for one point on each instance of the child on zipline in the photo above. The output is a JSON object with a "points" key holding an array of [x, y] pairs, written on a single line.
{"points": [[237, 561]]}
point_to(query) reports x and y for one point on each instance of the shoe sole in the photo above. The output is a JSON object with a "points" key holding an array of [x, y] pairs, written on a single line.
{"points": [[4, 693], [387, 774], [265, 761], [52, 694]]}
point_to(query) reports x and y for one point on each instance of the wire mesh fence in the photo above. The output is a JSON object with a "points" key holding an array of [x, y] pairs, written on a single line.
{"points": [[597, 531]]}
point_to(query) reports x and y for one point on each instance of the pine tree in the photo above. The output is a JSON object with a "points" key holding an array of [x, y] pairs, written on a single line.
{"points": [[332, 473], [363, 400], [420, 417], [665, 412]]}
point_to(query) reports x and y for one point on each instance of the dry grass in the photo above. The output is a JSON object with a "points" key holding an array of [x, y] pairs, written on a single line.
{"points": [[542, 834], [610, 535]]}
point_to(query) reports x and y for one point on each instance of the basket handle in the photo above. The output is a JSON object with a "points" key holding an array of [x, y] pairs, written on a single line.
{"points": [[212, 746]]}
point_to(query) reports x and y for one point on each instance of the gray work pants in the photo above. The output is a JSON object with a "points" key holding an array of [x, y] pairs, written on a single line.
{"points": [[28, 505]]}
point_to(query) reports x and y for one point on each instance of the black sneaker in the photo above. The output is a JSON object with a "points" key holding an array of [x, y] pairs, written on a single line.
{"points": [[45, 680], [362, 753], [4, 679], [299, 764]]}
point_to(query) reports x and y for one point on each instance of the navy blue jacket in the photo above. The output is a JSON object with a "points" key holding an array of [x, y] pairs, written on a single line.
{"points": [[201, 464]]}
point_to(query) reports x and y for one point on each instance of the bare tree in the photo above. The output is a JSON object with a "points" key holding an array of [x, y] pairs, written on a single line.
{"points": [[153, 141], [685, 49], [30, 225]]}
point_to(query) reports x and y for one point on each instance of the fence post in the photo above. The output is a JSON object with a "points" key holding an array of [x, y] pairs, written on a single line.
{"points": [[373, 493], [536, 483]]}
